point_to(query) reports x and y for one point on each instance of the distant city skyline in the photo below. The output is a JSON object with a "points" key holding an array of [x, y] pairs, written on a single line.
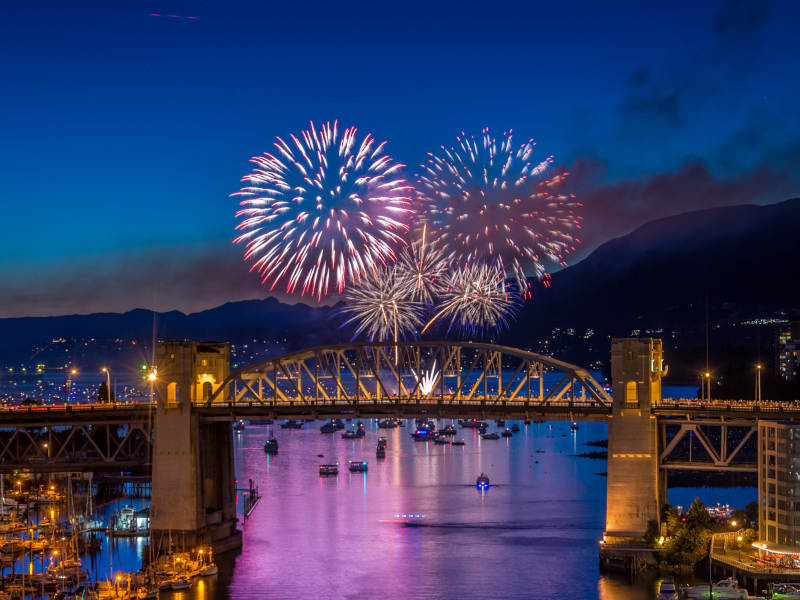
{"points": [[126, 131]]}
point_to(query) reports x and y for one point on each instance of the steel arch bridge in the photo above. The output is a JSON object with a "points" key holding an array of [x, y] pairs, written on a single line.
{"points": [[411, 374]]}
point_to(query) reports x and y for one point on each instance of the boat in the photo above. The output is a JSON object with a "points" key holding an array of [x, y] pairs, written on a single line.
{"points": [[421, 435], [329, 469], [458, 443], [574, 426], [180, 583], [727, 588], [388, 423], [129, 522], [238, 426], [146, 593], [667, 590], [449, 430], [208, 570], [783, 591], [360, 432], [292, 424], [471, 423], [500, 423], [271, 446], [515, 428], [260, 421], [328, 428], [507, 432], [491, 436], [338, 423], [358, 466], [382, 443], [482, 483], [482, 429]]}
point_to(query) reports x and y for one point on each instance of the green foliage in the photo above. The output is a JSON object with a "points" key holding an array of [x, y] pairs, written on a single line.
{"points": [[751, 511], [688, 547], [672, 518], [653, 533], [698, 517]]}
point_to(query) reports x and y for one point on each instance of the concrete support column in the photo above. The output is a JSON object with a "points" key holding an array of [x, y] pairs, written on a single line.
{"points": [[193, 496], [636, 489]]}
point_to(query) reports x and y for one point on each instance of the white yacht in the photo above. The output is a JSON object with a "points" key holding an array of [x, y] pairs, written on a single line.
{"points": [[727, 588]]}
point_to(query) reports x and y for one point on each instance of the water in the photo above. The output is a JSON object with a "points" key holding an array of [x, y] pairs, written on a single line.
{"points": [[534, 533]]}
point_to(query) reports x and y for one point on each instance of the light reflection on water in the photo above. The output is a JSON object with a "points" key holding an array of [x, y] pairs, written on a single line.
{"points": [[533, 534]]}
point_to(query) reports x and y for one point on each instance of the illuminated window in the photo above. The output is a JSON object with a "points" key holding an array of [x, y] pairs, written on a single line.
{"points": [[172, 393], [631, 395]]}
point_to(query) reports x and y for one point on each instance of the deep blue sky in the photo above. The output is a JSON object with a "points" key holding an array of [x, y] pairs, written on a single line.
{"points": [[124, 133]]}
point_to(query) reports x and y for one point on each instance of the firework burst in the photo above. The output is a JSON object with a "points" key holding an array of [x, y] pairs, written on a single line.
{"points": [[423, 267], [323, 211], [477, 298], [485, 199], [381, 307]]}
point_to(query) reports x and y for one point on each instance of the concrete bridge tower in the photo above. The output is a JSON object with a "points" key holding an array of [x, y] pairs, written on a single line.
{"points": [[193, 496], [636, 488]]}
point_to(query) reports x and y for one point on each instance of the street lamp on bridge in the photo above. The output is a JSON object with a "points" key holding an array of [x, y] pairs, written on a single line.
{"points": [[758, 384], [107, 371]]}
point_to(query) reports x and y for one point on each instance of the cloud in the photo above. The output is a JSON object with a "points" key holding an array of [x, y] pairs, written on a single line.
{"points": [[612, 209], [186, 278]]}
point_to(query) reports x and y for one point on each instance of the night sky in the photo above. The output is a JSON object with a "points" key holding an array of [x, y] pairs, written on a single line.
{"points": [[123, 133]]}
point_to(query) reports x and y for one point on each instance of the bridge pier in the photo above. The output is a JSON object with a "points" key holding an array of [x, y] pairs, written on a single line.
{"points": [[636, 488], [193, 495]]}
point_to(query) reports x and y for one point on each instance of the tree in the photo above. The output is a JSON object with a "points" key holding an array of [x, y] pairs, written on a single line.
{"points": [[751, 511], [698, 517], [102, 393]]}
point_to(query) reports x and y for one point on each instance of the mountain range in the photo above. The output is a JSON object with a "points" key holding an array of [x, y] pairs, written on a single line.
{"points": [[733, 264]]}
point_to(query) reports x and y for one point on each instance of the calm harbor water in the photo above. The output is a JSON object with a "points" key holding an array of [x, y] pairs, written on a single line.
{"points": [[533, 534]]}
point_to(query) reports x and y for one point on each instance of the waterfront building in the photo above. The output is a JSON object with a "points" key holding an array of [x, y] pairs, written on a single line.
{"points": [[779, 486], [787, 346]]}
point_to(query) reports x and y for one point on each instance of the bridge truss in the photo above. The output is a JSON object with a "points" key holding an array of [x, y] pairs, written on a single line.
{"points": [[76, 440], [413, 373], [709, 444]]}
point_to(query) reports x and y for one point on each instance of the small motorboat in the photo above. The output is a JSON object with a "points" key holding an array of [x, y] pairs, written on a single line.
{"points": [[271, 446], [449, 430], [292, 424], [507, 432], [358, 466], [458, 443], [471, 423], [328, 428], [491, 436], [382, 443], [329, 469], [238, 426], [421, 435], [515, 428], [180, 583], [667, 591], [260, 421], [482, 483], [146, 593], [388, 423], [727, 588], [574, 426]]}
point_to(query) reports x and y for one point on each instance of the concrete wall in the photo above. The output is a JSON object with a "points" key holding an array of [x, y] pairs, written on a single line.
{"points": [[636, 489], [193, 496]]}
